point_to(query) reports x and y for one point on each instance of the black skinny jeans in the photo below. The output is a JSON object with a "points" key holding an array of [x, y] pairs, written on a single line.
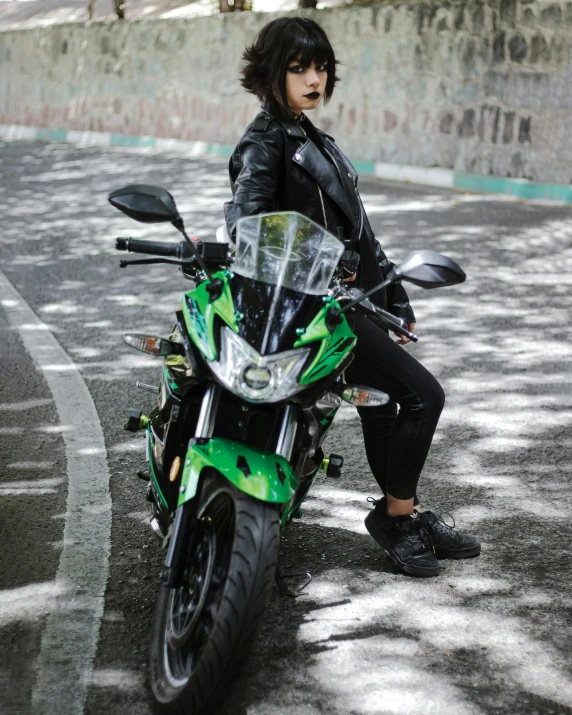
{"points": [[396, 443]]}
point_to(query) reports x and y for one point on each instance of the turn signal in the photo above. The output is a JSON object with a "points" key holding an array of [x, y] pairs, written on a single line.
{"points": [[364, 396], [153, 344]]}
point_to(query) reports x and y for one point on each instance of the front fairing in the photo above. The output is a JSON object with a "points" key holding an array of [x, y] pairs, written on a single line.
{"points": [[284, 264], [269, 320]]}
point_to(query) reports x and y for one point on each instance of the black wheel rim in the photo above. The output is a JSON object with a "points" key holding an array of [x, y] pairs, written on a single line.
{"points": [[187, 603], [192, 608]]}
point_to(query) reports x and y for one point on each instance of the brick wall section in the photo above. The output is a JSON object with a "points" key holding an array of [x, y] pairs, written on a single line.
{"points": [[480, 87]]}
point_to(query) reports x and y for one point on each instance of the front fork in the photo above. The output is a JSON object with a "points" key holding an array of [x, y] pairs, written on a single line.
{"points": [[182, 534]]}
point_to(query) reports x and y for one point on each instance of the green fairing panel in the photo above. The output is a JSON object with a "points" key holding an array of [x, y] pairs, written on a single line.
{"points": [[199, 313], [263, 475], [334, 348]]}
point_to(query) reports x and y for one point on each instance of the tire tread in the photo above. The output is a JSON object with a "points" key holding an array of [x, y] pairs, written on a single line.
{"points": [[245, 598]]}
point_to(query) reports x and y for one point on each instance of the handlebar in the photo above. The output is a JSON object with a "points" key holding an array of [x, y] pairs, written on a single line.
{"points": [[154, 248], [396, 324]]}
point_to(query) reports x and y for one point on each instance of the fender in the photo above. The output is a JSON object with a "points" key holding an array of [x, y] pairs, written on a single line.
{"points": [[262, 475]]}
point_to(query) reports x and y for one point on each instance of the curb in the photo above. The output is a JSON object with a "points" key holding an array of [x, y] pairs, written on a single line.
{"points": [[440, 178]]}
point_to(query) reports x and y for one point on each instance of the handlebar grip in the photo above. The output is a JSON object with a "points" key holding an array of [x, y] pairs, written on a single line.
{"points": [[400, 330], [153, 248], [403, 331], [396, 324]]}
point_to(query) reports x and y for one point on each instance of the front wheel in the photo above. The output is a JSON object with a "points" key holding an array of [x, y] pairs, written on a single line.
{"points": [[204, 629]]}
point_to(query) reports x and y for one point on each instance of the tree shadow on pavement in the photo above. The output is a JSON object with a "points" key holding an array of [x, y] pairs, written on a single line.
{"points": [[489, 635]]}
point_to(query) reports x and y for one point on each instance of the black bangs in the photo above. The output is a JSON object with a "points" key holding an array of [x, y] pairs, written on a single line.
{"points": [[310, 48], [278, 44]]}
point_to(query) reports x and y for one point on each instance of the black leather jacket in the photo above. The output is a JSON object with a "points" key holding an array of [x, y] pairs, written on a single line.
{"points": [[276, 166]]}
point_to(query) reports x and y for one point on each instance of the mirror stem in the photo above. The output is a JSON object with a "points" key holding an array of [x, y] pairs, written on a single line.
{"points": [[393, 276], [180, 226]]}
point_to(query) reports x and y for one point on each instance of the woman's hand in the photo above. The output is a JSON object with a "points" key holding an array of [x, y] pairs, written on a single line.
{"points": [[349, 263], [403, 339]]}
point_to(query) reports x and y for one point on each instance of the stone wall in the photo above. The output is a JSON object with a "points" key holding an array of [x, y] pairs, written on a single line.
{"points": [[480, 87]]}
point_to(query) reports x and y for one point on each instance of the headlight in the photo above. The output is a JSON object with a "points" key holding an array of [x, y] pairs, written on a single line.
{"points": [[258, 378]]}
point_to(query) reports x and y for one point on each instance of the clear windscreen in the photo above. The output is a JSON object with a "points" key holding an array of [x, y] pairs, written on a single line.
{"points": [[287, 250]]}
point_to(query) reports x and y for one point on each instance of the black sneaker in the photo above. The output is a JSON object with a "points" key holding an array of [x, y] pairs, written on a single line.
{"points": [[448, 543], [404, 540]]}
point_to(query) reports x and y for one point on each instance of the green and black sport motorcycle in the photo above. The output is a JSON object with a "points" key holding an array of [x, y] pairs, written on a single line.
{"points": [[253, 374]]}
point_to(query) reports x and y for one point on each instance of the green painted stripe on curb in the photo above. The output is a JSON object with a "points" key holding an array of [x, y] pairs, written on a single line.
{"points": [[521, 189], [56, 135], [134, 142], [445, 178], [364, 167], [220, 150]]}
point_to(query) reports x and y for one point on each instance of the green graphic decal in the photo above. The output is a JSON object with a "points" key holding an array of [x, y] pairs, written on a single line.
{"points": [[335, 345], [263, 475], [199, 312]]}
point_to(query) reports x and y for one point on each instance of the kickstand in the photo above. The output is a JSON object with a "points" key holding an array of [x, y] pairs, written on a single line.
{"points": [[283, 588]]}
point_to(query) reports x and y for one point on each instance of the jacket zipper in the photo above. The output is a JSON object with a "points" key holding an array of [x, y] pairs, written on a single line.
{"points": [[323, 207], [360, 213], [318, 185]]}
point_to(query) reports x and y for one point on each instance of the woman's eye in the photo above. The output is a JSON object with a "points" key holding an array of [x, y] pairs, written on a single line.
{"points": [[297, 69], [322, 68]]}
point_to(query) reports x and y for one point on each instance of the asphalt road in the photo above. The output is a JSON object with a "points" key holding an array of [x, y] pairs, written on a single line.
{"points": [[489, 635]]}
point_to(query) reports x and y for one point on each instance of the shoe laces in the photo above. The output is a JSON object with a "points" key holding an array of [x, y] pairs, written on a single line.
{"points": [[443, 526], [414, 530], [411, 528], [423, 532], [441, 519]]}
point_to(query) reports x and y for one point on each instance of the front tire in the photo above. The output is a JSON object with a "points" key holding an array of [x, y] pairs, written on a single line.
{"points": [[204, 630]]}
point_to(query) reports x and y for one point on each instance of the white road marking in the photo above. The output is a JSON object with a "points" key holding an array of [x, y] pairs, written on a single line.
{"points": [[69, 641], [27, 405]]}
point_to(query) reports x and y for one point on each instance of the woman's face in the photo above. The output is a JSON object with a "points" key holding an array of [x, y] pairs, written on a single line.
{"points": [[305, 86]]}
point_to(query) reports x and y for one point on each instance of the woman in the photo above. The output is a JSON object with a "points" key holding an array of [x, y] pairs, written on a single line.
{"points": [[284, 163]]}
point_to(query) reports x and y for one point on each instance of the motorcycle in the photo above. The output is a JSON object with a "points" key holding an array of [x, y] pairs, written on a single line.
{"points": [[252, 377]]}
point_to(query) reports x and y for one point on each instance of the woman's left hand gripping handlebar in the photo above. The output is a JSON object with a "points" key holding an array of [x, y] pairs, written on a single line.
{"points": [[403, 339]]}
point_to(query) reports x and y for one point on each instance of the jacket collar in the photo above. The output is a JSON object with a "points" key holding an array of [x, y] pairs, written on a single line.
{"points": [[290, 125]]}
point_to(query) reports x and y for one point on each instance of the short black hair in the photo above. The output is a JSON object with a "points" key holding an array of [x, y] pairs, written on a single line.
{"points": [[279, 43]]}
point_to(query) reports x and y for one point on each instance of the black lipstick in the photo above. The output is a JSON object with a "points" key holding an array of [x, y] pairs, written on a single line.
{"points": [[312, 95]]}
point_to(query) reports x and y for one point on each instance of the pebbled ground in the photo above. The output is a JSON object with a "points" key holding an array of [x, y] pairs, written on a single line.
{"points": [[489, 635]]}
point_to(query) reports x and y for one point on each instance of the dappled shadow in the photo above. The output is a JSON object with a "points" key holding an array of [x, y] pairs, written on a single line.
{"points": [[61, 228], [488, 633]]}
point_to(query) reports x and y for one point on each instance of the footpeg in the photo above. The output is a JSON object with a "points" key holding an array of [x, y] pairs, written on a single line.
{"points": [[149, 388], [135, 421], [332, 466]]}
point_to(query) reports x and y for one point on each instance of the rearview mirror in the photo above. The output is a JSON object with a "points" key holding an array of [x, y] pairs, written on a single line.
{"points": [[430, 270], [148, 204]]}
